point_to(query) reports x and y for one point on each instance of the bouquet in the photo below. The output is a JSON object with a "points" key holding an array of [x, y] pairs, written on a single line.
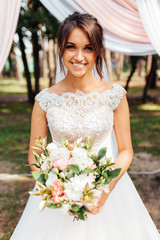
{"points": [[71, 177]]}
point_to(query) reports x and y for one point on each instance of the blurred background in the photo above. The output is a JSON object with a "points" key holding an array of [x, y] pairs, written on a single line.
{"points": [[30, 67]]}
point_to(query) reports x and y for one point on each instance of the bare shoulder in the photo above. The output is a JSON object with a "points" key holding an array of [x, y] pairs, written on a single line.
{"points": [[103, 86], [58, 88], [107, 85]]}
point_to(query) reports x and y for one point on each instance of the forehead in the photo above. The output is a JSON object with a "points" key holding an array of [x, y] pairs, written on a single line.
{"points": [[78, 36]]}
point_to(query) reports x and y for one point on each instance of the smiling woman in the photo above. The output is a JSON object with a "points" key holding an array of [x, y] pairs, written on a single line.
{"points": [[80, 106], [79, 56], [78, 28]]}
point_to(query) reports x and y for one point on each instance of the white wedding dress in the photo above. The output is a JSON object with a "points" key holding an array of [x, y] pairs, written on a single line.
{"points": [[124, 216]]}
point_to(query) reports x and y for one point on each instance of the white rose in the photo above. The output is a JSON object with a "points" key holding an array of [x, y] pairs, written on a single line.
{"points": [[51, 146], [65, 208], [80, 155], [60, 153], [52, 177], [74, 188]]}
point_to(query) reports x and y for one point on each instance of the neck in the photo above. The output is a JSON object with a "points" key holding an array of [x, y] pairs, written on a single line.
{"points": [[83, 83]]}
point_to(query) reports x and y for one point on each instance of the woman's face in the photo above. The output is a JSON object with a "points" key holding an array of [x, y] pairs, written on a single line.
{"points": [[79, 56]]}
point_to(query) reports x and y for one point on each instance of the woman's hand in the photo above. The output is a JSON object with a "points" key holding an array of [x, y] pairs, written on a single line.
{"points": [[98, 207]]}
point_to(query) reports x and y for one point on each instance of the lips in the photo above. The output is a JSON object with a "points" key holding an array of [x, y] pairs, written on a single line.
{"points": [[79, 65]]}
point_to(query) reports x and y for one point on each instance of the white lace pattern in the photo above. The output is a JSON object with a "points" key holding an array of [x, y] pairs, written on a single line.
{"points": [[73, 115]]}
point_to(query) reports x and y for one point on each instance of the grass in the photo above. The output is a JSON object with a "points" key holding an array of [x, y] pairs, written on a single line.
{"points": [[145, 127], [15, 131], [12, 87]]}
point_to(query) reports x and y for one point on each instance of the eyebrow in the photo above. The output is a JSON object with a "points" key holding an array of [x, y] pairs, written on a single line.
{"points": [[87, 45]]}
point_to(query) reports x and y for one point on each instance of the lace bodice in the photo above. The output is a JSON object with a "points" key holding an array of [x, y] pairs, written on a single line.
{"points": [[74, 115]]}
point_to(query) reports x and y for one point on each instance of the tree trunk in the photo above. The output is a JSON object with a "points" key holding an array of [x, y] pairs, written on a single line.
{"points": [[107, 57], [140, 66], [51, 62], [149, 65], [17, 70], [44, 60], [11, 65], [154, 75], [119, 64], [133, 67], [36, 60], [150, 77], [26, 69]]}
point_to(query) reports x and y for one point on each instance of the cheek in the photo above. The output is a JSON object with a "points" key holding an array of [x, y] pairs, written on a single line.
{"points": [[92, 59], [67, 56]]}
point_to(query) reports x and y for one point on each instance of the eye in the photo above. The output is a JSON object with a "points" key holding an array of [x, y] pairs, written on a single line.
{"points": [[70, 47], [89, 49]]}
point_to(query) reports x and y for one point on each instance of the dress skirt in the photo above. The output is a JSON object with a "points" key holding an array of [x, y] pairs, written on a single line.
{"points": [[123, 217]]}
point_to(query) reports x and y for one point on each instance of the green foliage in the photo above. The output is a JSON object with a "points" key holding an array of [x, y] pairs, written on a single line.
{"points": [[102, 153], [34, 17], [39, 176], [75, 169], [87, 170], [52, 205]]}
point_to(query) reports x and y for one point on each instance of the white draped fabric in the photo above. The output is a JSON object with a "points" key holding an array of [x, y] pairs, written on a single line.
{"points": [[9, 13], [129, 26], [150, 15]]}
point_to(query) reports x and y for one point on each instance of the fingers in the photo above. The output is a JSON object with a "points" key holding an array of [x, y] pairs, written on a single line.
{"points": [[97, 210]]}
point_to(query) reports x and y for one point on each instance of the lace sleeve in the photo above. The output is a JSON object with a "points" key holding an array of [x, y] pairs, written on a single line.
{"points": [[42, 98], [119, 91]]}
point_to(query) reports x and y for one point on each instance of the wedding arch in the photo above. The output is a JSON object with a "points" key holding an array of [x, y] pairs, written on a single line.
{"points": [[130, 26]]}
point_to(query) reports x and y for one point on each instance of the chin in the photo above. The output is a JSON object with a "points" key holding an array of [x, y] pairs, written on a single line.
{"points": [[78, 74]]}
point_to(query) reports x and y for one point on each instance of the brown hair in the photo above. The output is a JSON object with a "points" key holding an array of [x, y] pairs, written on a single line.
{"points": [[91, 27]]}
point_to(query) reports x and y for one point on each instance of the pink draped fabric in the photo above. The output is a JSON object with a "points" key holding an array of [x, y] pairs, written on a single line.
{"points": [[9, 13], [123, 26], [114, 17]]}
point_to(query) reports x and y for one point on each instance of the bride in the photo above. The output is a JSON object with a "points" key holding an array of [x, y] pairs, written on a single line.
{"points": [[78, 106]]}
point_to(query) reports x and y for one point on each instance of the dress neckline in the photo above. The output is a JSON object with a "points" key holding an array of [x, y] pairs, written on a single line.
{"points": [[81, 93]]}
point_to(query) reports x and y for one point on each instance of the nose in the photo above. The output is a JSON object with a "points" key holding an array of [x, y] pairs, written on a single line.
{"points": [[79, 55]]}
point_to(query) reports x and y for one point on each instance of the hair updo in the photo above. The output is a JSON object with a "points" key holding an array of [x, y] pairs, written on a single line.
{"points": [[93, 30]]}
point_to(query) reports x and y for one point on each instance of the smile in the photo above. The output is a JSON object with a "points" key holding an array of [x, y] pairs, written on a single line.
{"points": [[79, 65]]}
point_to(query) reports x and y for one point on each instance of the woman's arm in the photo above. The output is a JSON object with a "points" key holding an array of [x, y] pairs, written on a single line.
{"points": [[125, 155], [38, 129], [123, 136]]}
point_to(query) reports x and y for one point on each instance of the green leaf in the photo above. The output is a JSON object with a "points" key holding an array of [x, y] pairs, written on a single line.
{"points": [[44, 143], [38, 149], [34, 164], [101, 153], [89, 142], [52, 205], [84, 209], [46, 176], [37, 157], [81, 216], [114, 173], [74, 168], [74, 208], [87, 170], [38, 176]]}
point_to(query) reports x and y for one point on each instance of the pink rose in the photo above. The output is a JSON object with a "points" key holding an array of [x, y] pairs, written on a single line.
{"points": [[62, 163], [58, 193]]}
